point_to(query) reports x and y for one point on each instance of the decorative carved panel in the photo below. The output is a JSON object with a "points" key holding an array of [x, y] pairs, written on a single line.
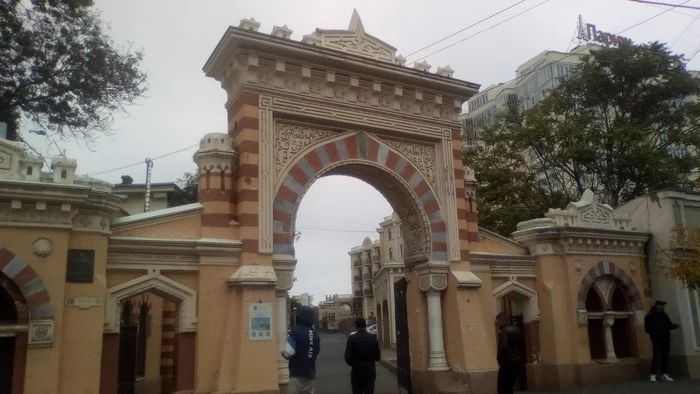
{"points": [[291, 139], [421, 155]]}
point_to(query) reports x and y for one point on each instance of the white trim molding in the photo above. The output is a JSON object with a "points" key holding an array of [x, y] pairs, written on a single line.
{"points": [[183, 296], [532, 312]]}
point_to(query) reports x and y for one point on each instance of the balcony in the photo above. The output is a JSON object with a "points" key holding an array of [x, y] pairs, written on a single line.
{"points": [[356, 263], [366, 276], [358, 293], [368, 292], [357, 278]]}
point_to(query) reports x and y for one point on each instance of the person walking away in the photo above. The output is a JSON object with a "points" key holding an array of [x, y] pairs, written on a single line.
{"points": [[509, 354], [302, 348], [361, 353], [658, 325]]}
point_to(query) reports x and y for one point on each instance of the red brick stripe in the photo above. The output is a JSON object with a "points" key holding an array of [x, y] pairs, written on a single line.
{"points": [[473, 237], [216, 220], [472, 216], [248, 170], [247, 195], [247, 122], [439, 247], [288, 194], [215, 195], [281, 216], [351, 144], [461, 214], [332, 151], [248, 219], [464, 255], [246, 98], [438, 227], [248, 146]]}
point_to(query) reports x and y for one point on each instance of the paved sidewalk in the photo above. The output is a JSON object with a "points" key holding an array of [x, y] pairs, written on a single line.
{"points": [[333, 374], [638, 387]]}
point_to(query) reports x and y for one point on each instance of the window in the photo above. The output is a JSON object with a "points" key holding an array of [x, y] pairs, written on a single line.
{"points": [[30, 170], [391, 253], [390, 235], [64, 174]]}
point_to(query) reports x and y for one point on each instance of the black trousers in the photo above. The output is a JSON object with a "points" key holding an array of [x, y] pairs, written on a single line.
{"points": [[507, 375], [659, 362], [362, 381]]}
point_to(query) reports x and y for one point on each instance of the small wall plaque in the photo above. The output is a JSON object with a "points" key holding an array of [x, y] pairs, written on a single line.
{"points": [[84, 302], [81, 266]]}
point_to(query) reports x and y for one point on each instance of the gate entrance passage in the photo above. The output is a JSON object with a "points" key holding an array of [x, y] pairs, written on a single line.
{"points": [[342, 102]]}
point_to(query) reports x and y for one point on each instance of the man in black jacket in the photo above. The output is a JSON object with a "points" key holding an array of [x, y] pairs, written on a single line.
{"points": [[302, 348], [658, 325], [509, 355], [361, 353]]}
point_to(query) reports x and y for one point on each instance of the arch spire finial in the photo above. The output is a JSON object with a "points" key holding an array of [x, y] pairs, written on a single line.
{"points": [[356, 22]]}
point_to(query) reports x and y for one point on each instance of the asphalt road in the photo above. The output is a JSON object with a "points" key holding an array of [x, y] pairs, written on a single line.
{"points": [[333, 375]]}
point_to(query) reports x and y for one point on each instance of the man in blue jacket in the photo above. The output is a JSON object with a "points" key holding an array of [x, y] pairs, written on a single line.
{"points": [[302, 348]]}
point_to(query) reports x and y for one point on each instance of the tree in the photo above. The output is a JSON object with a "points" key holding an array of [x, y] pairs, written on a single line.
{"points": [[624, 123], [685, 256], [61, 71], [187, 192]]}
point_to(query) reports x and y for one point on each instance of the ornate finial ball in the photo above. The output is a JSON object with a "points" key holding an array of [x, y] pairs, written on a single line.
{"points": [[215, 141]]}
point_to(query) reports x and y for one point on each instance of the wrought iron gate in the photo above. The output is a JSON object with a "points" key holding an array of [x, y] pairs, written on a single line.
{"points": [[521, 383], [126, 377], [403, 356]]}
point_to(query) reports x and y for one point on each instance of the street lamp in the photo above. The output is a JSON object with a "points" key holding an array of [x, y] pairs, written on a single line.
{"points": [[294, 324]]}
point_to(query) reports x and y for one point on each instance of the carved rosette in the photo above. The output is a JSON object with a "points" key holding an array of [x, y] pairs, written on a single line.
{"points": [[42, 247], [582, 318], [41, 333]]}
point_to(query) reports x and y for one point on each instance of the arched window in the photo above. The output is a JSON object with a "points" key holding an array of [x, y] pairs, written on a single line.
{"points": [[596, 333]]}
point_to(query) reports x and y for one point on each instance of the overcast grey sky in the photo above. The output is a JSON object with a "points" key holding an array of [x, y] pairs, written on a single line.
{"points": [[178, 36]]}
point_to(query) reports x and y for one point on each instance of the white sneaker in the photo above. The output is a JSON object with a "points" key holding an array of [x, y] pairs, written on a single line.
{"points": [[666, 378], [652, 378]]}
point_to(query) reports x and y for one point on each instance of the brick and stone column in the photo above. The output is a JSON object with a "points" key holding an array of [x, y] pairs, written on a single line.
{"points": [[284, 270], [432, 279], [438, 361], [608, 322]]}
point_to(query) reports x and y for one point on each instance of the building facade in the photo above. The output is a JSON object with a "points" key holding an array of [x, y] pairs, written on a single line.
{"points": [[135, 195], [336, 312], [533, 79], [673, 209], [365, 261], [304, 299]]}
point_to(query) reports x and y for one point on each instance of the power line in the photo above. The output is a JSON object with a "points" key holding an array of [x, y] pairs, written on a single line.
{"points": [[686, 30], [573, 54], [339, 230], [655, 16], [466, 28], [141, 162], [667, 4], [482, 31]]}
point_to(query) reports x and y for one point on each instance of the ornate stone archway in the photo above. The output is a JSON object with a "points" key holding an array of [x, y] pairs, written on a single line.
{"points": [[532, 312], [183, 296], [608, 268], [390, 172], [342, 102]]}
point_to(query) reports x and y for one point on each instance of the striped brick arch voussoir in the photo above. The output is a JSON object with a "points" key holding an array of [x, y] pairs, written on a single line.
{"points": [[30, 286], [363, 157], [608, 268]]}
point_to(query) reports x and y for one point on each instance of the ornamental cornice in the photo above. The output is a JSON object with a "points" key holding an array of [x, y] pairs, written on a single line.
{"points": [[582, 241], [385, 271], [237, 41], [503, 266], [192, 247], [341, 112]]}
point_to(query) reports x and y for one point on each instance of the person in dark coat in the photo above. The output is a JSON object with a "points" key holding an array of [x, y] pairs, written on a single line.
{"points": [[361, 353], [509, 356], [658, 325], [302, 348]]}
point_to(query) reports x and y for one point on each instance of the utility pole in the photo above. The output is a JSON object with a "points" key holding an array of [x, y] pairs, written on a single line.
{"points": [[147, 200]]}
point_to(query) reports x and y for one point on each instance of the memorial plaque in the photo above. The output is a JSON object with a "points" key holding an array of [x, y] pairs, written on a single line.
{"points": [[81, 266]]}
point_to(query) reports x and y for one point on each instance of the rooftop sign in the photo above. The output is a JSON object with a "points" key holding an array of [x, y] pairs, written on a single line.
{"points": [[589, 32]]}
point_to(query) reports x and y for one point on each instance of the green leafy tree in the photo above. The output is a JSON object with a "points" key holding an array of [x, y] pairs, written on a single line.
{"points": [[624, 123], [61, 71], [187, 192]]}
